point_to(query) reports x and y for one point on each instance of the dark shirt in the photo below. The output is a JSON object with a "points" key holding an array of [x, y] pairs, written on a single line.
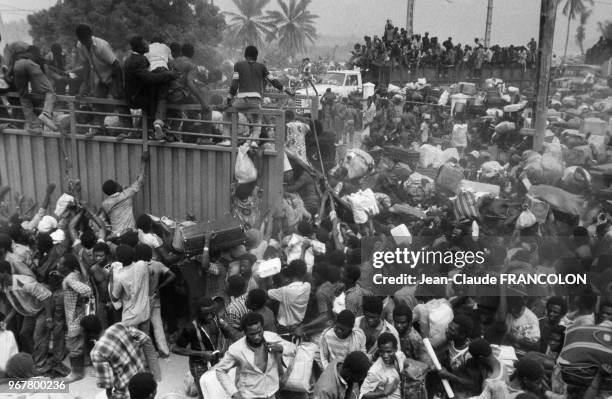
{"points": [[304, 185], [327, 145], [139, 81], [189, 337], [249, 77], [186, 67]]}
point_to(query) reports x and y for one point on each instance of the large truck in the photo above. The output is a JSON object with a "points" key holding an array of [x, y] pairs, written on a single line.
{"points": [[341, 83]]}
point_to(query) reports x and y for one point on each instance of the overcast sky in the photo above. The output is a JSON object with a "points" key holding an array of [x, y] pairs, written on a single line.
{"points": [[514, 21]]}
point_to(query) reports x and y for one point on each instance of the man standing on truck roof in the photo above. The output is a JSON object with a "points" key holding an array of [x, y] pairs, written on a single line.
{"points": [[246, 90]]}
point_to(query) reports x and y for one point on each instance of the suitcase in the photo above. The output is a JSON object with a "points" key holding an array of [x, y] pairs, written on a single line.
{"points": [[228, 232], [584, 350], [449, 178]]}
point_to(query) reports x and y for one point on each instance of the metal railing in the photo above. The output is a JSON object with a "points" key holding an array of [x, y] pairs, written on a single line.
{"points": [[209, 158]]}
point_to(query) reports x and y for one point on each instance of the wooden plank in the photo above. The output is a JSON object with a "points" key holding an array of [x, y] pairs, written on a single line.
{"points": [[135, 155], [155, 187], [4, 179], [53, 164], [181, 181], [226, 181], [166, 173], [81, 170], [14, 166], [39, 167], [28, 181], [214, 186], [96, 175], [189, 183], [107, 167], [195, 182], [122, 164]]}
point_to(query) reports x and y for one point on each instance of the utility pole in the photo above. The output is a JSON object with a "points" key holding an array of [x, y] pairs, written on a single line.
{"points": [[487, 39], [410, 17], [548, 15]]}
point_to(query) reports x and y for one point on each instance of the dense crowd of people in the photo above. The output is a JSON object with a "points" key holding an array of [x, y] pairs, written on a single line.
{"points": [[294, 310], [398, 49]]}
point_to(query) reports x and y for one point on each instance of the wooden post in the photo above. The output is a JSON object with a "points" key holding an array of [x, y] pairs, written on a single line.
{"points": [[275, 180], [410, 17], [548, 14], [487, 38], [234, 140], [314, 107], [70, 162], [145, 147]]}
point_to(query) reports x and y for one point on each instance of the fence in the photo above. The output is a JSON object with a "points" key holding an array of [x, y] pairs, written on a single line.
{"points": [[182, 177]]}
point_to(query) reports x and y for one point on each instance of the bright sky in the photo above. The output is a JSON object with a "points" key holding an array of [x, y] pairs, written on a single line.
{"points": [[514, 21]]}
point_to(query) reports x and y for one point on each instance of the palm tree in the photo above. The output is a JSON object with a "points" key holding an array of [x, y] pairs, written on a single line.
{"points": [[572, 9], [606, 29], [294, 25], [248, 26], [580, 31]]}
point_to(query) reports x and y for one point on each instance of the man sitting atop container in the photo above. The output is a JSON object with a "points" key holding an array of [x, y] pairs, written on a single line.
{"points": [[142, 87], [24, 72], [246, 90]]}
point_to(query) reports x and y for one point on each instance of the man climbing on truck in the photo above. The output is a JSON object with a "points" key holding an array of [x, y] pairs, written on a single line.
{"points": [[246, 90]]}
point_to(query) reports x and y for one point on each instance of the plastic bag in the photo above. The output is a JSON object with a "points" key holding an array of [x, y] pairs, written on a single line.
{"points": [[431, 156], [439, 316], [212, 388], [8, 347], [362, 203], [526, 219], [298, 376], [339, 303], [245, 170]]}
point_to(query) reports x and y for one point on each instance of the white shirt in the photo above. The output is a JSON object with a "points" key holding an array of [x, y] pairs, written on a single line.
{"points": [[381, 375], [250, 381], [158, 56], [293, 300]]}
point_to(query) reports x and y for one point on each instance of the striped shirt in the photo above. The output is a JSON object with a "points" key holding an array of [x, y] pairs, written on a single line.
{"points": [[235, 310], [336, 349], [74, 288]]}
